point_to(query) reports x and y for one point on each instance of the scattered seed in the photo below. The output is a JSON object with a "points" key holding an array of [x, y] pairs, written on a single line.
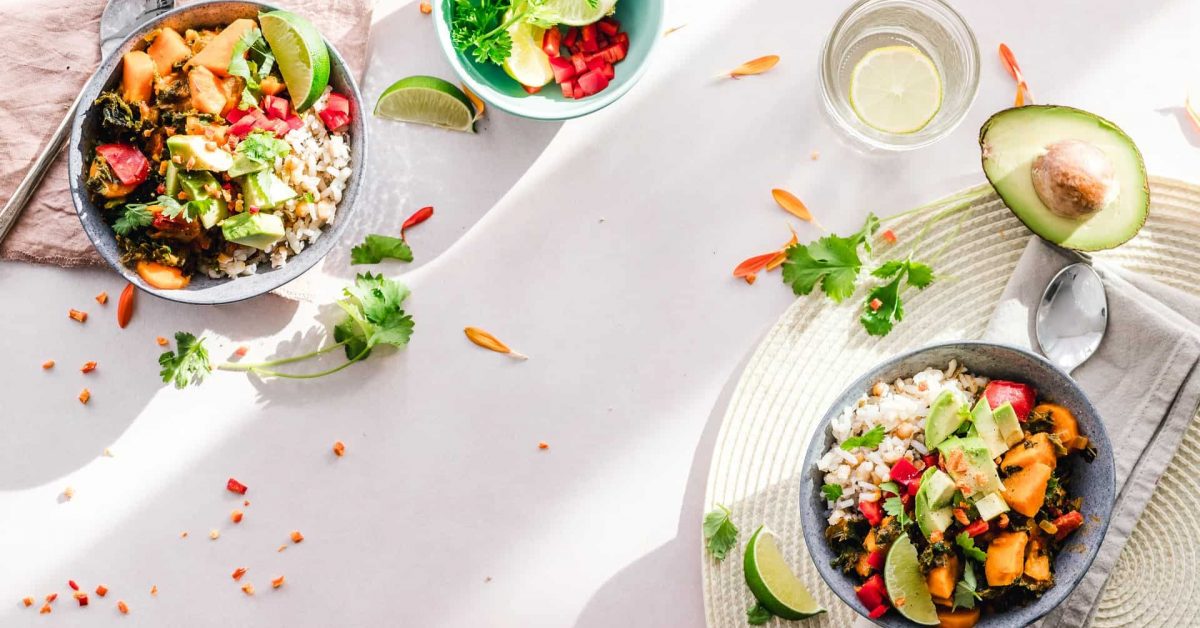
{"points": [[101, 590], [815, 155], [235, 516], [214, 534], [88, 367], [296, 536], [277, 582], [339, 449], [281, 548], [238, 573], [673, 29], [543, 445], [246, 503], [162, 342], [77, 315], [48, 364], [108, 453], [183, 535], [123, 607], [85, 395], [102, 298], [248, 589]]}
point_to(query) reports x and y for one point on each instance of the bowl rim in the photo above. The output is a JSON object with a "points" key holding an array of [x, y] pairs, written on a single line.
{"points": [[107, 68], [585, 107], [816, 446]]}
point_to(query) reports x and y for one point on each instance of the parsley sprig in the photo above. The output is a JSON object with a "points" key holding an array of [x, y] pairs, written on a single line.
{"points": [[720, 535], [480, 27]]}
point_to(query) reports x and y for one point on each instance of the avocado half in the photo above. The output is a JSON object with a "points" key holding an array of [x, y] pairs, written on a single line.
{"points": [[1012, 141]]}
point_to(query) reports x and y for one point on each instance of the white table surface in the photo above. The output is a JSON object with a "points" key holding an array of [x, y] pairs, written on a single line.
{"points": [[601, 247]]}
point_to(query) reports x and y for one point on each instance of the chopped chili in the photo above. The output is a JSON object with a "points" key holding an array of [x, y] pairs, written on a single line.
{"points": [[101, 590], [162, 342], [51, 597], [248, 589], [1067, 524], [235, 516], [71, 583], [48, 364], [123, 607], [88, 367], [28, 601], [296, 536], [102, 298], [543, 445], [77, 315], [977, 528], [277, 582], [85, 395], [339, 449], [238, 573], [235, 487], [81, 597], [419, 216], [889, 235], [45, 609]]}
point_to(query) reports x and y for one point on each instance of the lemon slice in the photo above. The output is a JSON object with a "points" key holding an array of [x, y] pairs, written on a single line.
{"points": [[528, 63], [896, 89]]}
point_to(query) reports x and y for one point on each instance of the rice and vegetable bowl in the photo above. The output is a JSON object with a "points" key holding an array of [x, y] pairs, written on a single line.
{"points": [[221, 151], [948, 495]]}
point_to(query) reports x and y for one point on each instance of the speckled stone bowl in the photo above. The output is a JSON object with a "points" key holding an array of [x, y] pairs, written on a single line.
{"points": [[203, 290], [1095, 482]]}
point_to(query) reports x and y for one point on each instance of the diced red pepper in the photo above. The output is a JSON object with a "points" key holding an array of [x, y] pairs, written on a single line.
{"points": [[235, 487], [903, 470], [564, 69], [275, 107], [1021, 396], [872, 593], [294, 122], [337, 112], [244, 124], [592, 83], [931, 460], [572, 35], [608, 26], [127, 162], [875, 560], [552, 42], [879, 611], [622, 40], [1067, 524], [531, 90], [580, 63], [71, 583], [236, 114], [578, 91], [911, 487], [977, 528], [568, 89], [608, 71], [588, 32], [872, 511], [613, 54]]}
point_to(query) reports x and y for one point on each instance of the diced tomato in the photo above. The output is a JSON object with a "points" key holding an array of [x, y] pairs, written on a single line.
{"points": [[568, 89], [595, 63], [872, 593], [552, 41], [1021, 396], [977, 528], [572, 35], [564, 69], [903, 470], [235, 487], [127, 162], [588, 32], [875, 560], [930, 460], [608, 26], [589, 45], [912, 487], [1067, 524], [236, 114], [622, 40], [613, 54], [337, 112], [592, 82], [245, 124], [294, 122], [531, 90], [275, 107], [879, 611], [601, 40], [580, 64], [608, 71], [578, 92], [872, 511]]}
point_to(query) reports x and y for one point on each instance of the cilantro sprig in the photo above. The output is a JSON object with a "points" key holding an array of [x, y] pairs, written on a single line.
{"points": [[373, 318], [252, 60], [964, 591], [831, 491], [376, 248], [967, 544], [894, 507], [869, 439], [720, 535]]}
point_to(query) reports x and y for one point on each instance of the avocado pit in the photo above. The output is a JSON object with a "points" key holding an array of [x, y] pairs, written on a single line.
{"points": [[1074, 179]]}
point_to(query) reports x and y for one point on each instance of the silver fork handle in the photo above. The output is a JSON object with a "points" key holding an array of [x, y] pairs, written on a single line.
{"points": [[27, 187]]}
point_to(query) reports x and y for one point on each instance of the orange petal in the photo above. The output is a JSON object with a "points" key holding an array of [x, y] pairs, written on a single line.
{"points": [[490, 342], [1010, 63], [756, 66], [791, 204], [480, 108], [754, 264], [776, 261]]}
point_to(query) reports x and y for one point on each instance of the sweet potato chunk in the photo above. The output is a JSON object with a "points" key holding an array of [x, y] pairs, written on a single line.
{"points": [[1035, 448], [1025, 490], [941, 579], [1037, 562], [961, 618], [1065, 425], [137, 76], [207, 93], [1005, 558], [217, 54], [167, 49], [161, 276]]}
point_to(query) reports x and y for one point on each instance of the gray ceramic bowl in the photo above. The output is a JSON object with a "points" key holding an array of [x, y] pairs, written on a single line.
{"points": [[203, 290], [1094, 482]]}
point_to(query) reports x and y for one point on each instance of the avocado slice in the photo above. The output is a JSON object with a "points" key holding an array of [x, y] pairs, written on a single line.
{"points": [[1071, 176], [264, 190], [986, 429], [991, 506], [194, 154], [1009, 424], [171, 180], [930, 506], [969, 464], [258, 230], [944, 418], [937, 486], [243, 165], [196, 185]]}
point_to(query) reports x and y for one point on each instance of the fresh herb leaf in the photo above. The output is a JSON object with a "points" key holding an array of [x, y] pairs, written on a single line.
{"points": [[188, 364], [967, 544], [263, 147], [831, 491], [374, 316], [894, 507], [720, 534], [888, 269], [964, 591], [478, 27], [758, 615], [890, 487], [252, 60], [832, 261], [308, 197], [377, 248], [136, 216], [870, 439], [920, 275], [883, 307]]}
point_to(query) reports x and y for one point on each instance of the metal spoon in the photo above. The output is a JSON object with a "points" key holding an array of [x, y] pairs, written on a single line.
{"points": [[120, 18], [1072, 316]]}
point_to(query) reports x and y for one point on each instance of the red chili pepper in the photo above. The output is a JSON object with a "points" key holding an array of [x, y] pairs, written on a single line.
{"points": [[875, 560], [71, 583], [235, 487], [903, 471], [1067, 524], [879, 611], [872, 512], [418, 217], [977, 528], [872, 593]]}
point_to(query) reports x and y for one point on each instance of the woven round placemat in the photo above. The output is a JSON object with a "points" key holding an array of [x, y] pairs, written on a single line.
{"points": [[816, 347]]}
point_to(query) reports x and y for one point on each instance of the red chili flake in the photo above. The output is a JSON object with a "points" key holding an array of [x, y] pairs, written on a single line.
{"points": [[162, 342], [296, 536], [77, 315], [543, 445], [45, 609], [51, 597], [81, 597], [238, 573], [241, 351], [102, 298], [101, 590], [277, 582], [890, 236], [48, 364], [71, 583], [339, 449], [236, 516], [88, 367], [875, 304], [246, 503], [85, 395], [418, 217], [28, 601], [123, 607], [235, 487]]}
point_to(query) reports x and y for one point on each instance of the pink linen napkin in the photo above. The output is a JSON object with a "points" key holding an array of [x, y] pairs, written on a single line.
{"points": [[52, 47]]}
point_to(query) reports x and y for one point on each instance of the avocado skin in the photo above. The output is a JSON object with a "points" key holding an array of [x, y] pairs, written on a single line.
{"points": [[1101, 121]]}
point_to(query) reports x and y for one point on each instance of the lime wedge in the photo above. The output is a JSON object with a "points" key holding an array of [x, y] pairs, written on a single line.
{"points": [[896, 89], [574, 12], [427, 100], [528, 63], [772, 581], [301, 54], [906, 584]]}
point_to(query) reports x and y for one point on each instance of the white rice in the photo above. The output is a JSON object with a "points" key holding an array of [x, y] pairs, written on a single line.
{"points": [[900, 407], [318, 168]]}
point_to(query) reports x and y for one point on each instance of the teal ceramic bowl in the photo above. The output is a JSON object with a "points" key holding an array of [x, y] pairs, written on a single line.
{"points": [[641, 19]]}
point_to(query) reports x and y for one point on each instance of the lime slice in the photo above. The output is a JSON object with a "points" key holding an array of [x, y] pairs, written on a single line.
{"points": [[574, 12], [772, 581], [528, 63], [896, 89], [427, 100], [906, 584], [301, 54]]}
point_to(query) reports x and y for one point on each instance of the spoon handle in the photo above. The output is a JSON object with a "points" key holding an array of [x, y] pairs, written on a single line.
{"points": [[27, 187]]}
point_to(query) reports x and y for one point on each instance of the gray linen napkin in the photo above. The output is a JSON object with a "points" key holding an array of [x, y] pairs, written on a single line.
{"points": [[1144, 381]]}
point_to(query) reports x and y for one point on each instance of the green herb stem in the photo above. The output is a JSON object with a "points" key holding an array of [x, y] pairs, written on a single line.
{"points": [[258, 366]]}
